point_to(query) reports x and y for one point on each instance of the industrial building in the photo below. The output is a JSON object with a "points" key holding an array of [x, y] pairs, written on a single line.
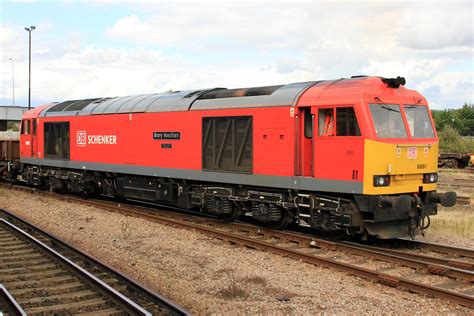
{"points": [[10, 117]]}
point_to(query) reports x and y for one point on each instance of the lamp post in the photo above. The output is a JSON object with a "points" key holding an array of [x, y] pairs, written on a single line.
{"points": [[29, 30], [13, 79]]}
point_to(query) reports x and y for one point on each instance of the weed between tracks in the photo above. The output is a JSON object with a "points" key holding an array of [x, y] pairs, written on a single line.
{"points": [[231, 287], [125, 228]]}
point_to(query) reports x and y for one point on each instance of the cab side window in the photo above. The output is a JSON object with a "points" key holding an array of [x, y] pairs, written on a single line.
{"points": [[346, 122], [326, 122], [340, 121], [25, 127], [308, 123]]}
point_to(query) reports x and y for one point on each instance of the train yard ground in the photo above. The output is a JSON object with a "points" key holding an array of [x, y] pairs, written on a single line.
{"points": [[457, 221], [207, 275]]}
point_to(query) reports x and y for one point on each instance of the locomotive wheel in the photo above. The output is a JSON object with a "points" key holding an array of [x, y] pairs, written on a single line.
{"points": [[223, 208], [454, 163], [229, 217], [284, 221], [337, 234], [271, 215]]}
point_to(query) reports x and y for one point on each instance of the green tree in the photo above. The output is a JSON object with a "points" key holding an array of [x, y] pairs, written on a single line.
{"points": [[460, 119], [450, 141]]}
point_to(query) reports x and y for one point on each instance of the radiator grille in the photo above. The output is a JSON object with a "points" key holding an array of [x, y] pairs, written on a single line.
{"points": [[227, 144]]}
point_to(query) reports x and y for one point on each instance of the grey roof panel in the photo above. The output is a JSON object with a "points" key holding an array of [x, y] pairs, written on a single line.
{"points": [[189, 99], [285, 95], [88, 109], [163, 102], [102, 107], [128, 106], [121, 103], [174, 101], [143, 104]]}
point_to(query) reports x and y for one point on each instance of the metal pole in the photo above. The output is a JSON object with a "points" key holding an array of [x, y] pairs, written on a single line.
{"points": [[29, 30], [13, 79], [29, 72]]}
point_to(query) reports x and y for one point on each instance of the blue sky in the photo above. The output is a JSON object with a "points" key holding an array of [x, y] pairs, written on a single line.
{"points": [[96, 48]]}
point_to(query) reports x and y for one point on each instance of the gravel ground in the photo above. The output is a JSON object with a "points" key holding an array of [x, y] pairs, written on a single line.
{"points": [[450, 240], [207, 276]]}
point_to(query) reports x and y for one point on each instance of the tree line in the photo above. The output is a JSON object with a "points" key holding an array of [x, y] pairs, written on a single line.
{"points": [[455, 129], [461, 119]]}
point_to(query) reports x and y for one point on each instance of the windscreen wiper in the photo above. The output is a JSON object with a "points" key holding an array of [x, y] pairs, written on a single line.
{"points": [[386, 106], [389, 109]]}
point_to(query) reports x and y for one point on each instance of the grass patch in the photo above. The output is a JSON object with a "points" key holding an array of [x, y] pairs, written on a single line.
{"points": [[458, 221], [255, 280]]}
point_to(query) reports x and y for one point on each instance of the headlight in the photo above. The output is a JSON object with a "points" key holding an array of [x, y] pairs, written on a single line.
{"points": [[430, 178], [381, 181]]}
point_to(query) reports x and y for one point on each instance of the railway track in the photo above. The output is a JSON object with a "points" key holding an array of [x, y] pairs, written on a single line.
{"points": [[457, 275], [448, 278], [443, 249], [469, 169], [458, 180], [44, 275]]}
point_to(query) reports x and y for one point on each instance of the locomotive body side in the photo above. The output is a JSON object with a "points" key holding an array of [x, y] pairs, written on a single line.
{"points": [[169, 144]]}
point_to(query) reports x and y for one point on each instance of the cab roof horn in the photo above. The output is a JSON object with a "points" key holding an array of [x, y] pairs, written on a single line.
{"points": [[394, 82]]}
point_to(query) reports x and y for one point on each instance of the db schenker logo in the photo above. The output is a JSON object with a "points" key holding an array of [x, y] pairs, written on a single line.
{"points": [[81, 138]]}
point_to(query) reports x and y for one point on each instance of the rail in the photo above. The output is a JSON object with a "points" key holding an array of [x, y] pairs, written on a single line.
{"points": [[8, 305], [309, 249], [154, 302]]}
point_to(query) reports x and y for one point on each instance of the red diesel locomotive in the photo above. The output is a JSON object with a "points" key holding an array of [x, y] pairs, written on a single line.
{"points": [[357, 156]]}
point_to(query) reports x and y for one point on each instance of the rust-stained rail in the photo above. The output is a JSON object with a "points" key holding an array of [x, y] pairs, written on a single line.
{"points": [[16, 242], [84, 283], [463, 252], [378, 276], [8, 305]]}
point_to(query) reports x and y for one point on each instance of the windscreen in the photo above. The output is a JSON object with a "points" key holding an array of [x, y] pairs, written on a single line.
{"points": [[388, 121], [418, 121]]}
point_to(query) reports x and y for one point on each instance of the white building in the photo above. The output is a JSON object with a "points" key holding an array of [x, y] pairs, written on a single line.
{"points": [[10, 117]]}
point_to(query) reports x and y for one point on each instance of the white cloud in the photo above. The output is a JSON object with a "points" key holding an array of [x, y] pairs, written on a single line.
{"points": [[437, 26], [130, 27], [166, 46]]}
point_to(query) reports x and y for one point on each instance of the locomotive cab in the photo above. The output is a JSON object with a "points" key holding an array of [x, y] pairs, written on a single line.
{"points": [[375, 141]]}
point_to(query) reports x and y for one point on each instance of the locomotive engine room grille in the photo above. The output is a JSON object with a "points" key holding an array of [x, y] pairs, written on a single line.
{"points": [[227, 144]]}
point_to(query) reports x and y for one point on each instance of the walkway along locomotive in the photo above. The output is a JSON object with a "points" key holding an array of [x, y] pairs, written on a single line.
{"points": [[357, 155]]}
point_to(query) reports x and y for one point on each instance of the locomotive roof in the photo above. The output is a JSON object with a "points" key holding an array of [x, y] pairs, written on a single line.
{"points": [[216, 98], [182, 100]]}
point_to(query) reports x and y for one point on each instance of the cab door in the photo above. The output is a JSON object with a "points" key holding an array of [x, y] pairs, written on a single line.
{"points": [[33, 137], [305, 142], [25, 139], [338, 144]]}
